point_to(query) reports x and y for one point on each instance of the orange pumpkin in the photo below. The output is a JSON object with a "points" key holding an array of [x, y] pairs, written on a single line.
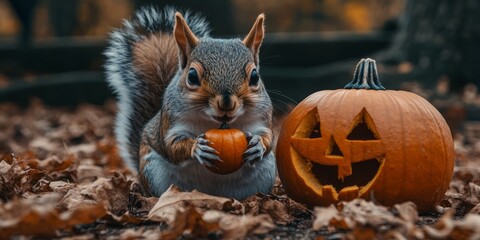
{"points": [[365, 142], [230, 145]]}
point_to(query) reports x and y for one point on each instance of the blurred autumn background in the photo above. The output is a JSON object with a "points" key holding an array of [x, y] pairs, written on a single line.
{"points": [[54, 102], [52, 49]]}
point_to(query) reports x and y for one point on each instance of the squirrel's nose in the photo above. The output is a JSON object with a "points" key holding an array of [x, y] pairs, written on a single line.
{"points": [[226, 102]]}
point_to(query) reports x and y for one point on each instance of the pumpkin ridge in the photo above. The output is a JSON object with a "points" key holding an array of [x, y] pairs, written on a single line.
{"points": [[415, 105], [435, 117], [431, 199], [401, 123]]}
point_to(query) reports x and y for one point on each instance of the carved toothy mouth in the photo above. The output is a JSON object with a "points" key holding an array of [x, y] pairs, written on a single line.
{"points": [[363, 173]]}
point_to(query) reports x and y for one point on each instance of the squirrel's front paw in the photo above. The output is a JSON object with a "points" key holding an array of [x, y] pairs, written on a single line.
{"points": [[205, 154], [255, 149]]}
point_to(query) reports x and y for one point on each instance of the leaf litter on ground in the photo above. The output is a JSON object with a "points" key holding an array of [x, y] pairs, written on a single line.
{"points": [[61, 176]]}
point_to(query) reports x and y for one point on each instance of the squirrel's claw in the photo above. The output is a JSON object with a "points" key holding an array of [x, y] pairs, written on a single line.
{"points": [[255, 149], [205, 154]]}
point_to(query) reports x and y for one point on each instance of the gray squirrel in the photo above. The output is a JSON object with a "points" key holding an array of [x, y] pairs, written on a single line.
{"points": [[174, 83]]}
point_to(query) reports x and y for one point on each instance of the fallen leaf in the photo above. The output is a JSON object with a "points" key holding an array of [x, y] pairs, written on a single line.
{"points": [[17, 179], [36, 216], [111, 193], [362, 216], [323, 217], [197, 214], [54, 163], [447, 227], [60, 187], [88, 172], [173, 201], [39, 216], [239, 226], [260, 204], [475, 210], [189, 222], [83, 214], [140, 205], [139, 233]]}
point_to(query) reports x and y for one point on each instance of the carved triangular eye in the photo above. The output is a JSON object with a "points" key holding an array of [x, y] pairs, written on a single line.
{"points": [[309, 127], [363, 128], [316, 133]]}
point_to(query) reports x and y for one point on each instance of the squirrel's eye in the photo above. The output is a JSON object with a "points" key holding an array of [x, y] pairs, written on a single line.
{"points": [[192, 78], [254, 78]]}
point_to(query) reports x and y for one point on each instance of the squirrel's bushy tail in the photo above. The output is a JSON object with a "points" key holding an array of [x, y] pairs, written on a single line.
{"points": [[141, 59]]}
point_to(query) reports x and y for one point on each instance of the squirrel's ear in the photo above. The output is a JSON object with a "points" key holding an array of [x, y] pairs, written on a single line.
{"points": [[255, 37], [184, 37]]}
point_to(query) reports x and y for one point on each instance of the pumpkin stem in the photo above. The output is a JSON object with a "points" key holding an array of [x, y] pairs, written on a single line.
{"points": [[365, 76], [224, 126]]}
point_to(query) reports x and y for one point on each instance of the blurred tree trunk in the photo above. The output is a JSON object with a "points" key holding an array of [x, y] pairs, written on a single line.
{"points": [[440, 38], [24, 9]]}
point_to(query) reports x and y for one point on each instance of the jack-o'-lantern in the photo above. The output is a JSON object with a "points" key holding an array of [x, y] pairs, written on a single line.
{"points": [[365, 142]]}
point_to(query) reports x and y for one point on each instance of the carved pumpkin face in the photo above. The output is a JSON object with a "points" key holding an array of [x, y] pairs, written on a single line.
{"points": [[343, 144], [335, 156]]}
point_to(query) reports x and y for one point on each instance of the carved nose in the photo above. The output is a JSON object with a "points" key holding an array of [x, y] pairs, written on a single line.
{"points": [[226, 102]]}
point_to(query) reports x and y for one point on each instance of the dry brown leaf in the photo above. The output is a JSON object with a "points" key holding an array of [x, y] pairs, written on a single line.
{"points": [[87, 172], [54, 164], [367, 213], [173, 201], [472, 194], [447, 227], [239, 226], [39, 216], [127, 217], [362, 216], [83, 150], [324, 217], [109, 148], [469, 227], [60, 187], [43, 144], [464, 191], [111, 193], [365, 233], [260, 203], [197, 214], [189, 222], [36, 216], [17, 179], [139, 233], [139, 204], [408, 212], [83, 214], [475, 210]]}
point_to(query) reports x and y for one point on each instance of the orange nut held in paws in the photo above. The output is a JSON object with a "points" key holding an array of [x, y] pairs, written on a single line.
{"points": [[230, 145]]}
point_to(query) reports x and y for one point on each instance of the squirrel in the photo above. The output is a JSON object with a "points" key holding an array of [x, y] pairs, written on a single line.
{"points": [[173, 83]]}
